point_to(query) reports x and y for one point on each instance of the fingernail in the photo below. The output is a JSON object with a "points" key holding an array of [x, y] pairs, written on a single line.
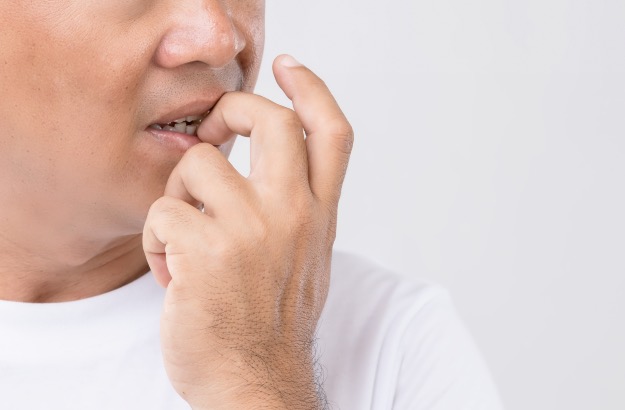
{"points": [[290, 62]]}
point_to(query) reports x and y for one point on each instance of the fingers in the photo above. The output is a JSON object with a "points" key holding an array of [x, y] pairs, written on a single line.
{"points": [[171, 228], [278, 150], [329, 136], [175, 228], [205, 175]]}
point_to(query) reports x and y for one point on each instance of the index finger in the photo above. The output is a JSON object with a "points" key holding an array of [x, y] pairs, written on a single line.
{"points": [[329, 136]]}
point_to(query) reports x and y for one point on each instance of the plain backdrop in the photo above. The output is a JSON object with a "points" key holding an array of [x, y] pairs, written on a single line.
{"points": [[490, 158]]}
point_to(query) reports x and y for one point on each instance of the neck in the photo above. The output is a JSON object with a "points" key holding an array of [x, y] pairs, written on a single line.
{"points": [[61, 271]]}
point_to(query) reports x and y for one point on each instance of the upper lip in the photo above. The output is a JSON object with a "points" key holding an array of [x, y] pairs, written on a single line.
{"points": [[199, 106]]}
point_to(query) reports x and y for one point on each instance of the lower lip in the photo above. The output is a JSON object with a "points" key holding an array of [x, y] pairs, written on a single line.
{"points": [[174, 140]]}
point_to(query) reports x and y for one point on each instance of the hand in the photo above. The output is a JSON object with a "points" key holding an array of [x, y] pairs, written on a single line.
{"points": [[247, 279]]}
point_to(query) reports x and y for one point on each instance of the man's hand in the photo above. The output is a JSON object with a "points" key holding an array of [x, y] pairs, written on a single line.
{"points": [[247, 279]]}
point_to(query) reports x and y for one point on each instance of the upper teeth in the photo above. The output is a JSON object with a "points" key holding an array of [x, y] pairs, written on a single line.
{"points": [[190, 118], [186, 125]]}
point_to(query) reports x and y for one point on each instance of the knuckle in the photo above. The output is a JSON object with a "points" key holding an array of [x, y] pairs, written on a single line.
{"points": [[168, 210], [231, 96], [348, 131], [320, 83], [344, 132], [162, 204]]}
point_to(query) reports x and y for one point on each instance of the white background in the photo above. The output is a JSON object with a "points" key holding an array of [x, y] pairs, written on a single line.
{"points": [[489, 158]]}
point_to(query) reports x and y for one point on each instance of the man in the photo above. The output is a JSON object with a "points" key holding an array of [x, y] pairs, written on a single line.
{"points": [[118, 118]]}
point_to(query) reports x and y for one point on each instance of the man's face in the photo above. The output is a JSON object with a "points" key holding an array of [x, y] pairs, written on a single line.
{"points": [[81, 81]]}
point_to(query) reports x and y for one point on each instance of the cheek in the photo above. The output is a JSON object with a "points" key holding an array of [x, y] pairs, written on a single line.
{"points": [[68, 87]]}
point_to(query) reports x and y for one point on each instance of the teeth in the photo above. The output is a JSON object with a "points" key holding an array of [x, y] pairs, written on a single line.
{"points": [[189, 118], [179, 127], [187, 125], [191, 129]]}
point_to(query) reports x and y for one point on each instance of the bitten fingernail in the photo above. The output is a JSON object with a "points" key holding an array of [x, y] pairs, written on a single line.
{"points": [[288, 61]]}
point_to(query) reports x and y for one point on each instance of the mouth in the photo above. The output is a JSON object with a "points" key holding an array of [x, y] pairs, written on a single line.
{"points": [[185, 125], [176, 128], [179, 134]]}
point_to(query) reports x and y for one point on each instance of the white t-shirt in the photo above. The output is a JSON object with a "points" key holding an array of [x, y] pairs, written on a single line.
{"points": [[385, 342]]}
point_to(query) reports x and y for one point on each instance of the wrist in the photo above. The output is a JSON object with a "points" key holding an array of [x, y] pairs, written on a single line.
{"points": [[258, 396], [262, 383]]}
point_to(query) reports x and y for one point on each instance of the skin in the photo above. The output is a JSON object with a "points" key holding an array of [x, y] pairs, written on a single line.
{"points": [[76, 99], [91, 200]]}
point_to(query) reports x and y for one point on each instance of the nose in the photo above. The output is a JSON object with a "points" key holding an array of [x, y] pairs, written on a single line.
{"points": [[204, 32]]}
